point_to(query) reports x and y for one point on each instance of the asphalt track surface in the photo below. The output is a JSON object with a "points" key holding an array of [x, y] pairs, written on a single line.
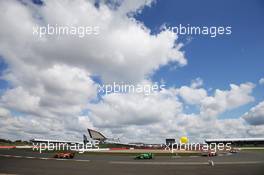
{"points": [[26, 162]]}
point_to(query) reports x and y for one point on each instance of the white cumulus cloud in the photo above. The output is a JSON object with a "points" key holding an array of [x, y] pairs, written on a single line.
{"points": [[256, 115], [50, 77], [261, 81]]}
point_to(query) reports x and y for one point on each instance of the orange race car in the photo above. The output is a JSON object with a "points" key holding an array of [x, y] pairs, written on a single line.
{"points": [[65, 155]]}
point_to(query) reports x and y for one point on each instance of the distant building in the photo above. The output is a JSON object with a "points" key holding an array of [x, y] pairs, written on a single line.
{"points": [[238, 141], [170, 141], [96, 135]]}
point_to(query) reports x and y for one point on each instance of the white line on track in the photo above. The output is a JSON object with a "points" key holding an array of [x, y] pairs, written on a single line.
{"points": [[61, 159], [240, 163], [17, 156], [79, 160], [6, 155], [43, 158], [187, 163], [158, 163]]}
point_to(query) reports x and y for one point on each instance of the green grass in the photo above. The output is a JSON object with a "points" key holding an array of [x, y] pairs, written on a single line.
{"points": [[12, 144], [252, 150]]}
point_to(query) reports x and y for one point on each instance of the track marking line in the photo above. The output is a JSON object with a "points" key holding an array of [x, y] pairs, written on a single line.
{"points": [[240, 163], [159, 163], [61, 159], [82, 160], [186, 163], [42, 158], [17, 156], [6, 155]]}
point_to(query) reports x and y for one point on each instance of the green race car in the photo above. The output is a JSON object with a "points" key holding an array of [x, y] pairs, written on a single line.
{"points": [[145, 156]]}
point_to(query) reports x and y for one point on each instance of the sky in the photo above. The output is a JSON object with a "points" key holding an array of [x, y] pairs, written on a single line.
{"points": [[232, 59], [213, 85]]}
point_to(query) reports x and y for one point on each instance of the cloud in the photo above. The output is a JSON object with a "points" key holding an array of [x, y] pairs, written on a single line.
{"points": [[4, 113], [124, 109], [197, 83], [133, 117], [58, 89], [28, 126], [52, 75], [52, 94], [27, 102], [255, 116], [221, 101], [46, 103], [138, 117], [161, 115], [192, 95], [133, 6], [261, 81], [116, 54]]}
